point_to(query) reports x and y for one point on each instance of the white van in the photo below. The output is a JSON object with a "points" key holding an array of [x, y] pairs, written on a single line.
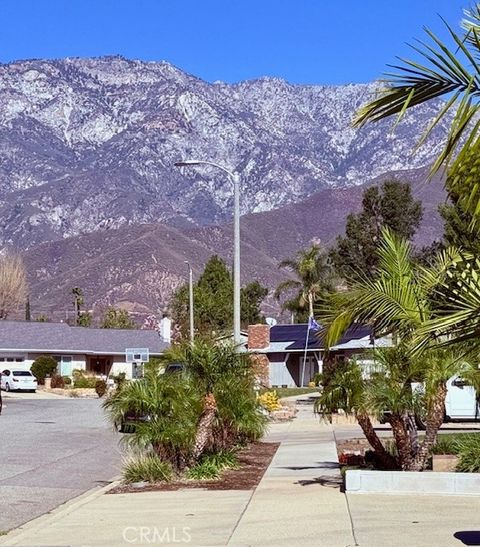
{"points": [[461, 402]]}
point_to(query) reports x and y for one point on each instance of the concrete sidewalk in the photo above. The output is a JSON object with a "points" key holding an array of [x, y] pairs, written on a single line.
{"points": [[298, 502]]}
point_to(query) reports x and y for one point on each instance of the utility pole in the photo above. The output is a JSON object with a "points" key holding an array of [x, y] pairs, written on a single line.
{"points": [[190, 299], [235, 179]]}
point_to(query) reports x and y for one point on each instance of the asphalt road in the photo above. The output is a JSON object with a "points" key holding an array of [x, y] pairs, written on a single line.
{"points": [[52, 450]]}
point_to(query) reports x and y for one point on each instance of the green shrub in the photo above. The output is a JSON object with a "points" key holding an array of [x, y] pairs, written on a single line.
{"points": [[85, 383], [173, 407], [44, 366], [225, 459], [317, 378], [81, 380], [57, 381], [468, 451], [101, 387], [204, 470], [67, 380], [147, 468], [445, 444], [211, 465], [119, 379]]}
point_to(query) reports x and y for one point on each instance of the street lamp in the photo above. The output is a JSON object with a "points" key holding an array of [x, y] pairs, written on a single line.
{"points": [[235, 178], [190, 297]]}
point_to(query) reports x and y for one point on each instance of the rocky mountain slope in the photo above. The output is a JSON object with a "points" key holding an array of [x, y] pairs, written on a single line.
{"points": [[89, 145], [90, 194], [138, 267]]}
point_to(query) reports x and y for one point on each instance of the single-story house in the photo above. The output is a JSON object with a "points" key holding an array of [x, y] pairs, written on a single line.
{"points": [[99, 351], [294, 353]]}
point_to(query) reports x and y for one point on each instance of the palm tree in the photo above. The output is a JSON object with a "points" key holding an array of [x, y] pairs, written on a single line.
{"points": [[398, 300], [458, 314], [315, 276], [217, 370], [450, 71], [346, 390], [445, 71], [172, 408]]}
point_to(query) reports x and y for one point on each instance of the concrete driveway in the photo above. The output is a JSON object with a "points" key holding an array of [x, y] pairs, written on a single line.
{"points": [[51, 451]]}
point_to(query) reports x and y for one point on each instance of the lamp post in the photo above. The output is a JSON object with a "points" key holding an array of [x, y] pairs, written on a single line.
{"points": [[190, 298], [235, 178]]}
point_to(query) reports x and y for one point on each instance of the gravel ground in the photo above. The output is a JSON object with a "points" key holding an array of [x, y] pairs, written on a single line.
{"points": [[51, 451]]}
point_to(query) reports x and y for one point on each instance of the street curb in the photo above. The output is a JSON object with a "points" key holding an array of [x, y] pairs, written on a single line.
{"points": [[60, 511], [412, 482]]}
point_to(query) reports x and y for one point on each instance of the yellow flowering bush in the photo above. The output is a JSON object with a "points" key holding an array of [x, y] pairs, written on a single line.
{"points": [[270, 401]]}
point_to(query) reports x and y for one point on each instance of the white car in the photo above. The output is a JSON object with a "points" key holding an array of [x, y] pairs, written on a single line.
{"points": [[18, 380]]}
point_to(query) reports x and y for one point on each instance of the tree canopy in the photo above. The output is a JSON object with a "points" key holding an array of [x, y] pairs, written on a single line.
{"points": [[213, 298], [389, 206], [115, 318], [315, 276]]}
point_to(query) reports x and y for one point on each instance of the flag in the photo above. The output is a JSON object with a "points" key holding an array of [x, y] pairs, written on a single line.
{"points": [[313, 325]]}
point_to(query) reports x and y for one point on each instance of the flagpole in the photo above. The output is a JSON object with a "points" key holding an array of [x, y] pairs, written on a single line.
{"points": [[305, 353]]}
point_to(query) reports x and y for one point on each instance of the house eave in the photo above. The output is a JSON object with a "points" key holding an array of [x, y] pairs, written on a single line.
{"points": [[71, 351]]}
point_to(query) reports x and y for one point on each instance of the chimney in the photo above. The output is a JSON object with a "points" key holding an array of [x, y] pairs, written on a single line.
{"points": [[166, 329], [258, 337]]}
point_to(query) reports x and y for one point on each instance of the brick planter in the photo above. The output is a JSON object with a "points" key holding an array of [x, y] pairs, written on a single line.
{"points": [[444, 462]]}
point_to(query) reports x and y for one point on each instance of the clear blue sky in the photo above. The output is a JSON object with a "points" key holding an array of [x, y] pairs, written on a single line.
{"points": [[303, 41]]}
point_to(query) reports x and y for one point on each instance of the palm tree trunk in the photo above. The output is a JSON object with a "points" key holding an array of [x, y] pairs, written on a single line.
{"points": [[386, 460], [204, 427], [435, 417], [411, 427], [403, 442], [310, 304]]}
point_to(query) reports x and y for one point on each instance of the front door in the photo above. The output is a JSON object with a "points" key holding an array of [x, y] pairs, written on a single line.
{"points": [[100, 365]]}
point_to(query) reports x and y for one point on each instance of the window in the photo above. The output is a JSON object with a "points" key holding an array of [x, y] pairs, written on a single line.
{"points": [[64, 367], [11, 359], [22, 373]]}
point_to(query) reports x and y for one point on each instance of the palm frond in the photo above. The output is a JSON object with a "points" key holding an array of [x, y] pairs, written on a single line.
{"points": [[284, 286], [459, 319], [392, 301], [445, 70]]}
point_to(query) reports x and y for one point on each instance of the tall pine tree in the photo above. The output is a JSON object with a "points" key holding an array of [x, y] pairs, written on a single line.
{"points": [[213, 301], [391, 205]]}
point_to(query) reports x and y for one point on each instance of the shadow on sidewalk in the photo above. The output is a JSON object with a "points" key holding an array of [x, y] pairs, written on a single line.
{"points": [[324, 480], [468, 537]]}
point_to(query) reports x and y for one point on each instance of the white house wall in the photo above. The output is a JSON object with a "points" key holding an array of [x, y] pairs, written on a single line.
{"points": [[24, 364], [119, 365], [279, 375], [79, 362], [24, 361]]}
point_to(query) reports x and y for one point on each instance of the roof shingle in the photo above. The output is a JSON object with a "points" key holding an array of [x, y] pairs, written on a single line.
{"points": [[60, 337]]}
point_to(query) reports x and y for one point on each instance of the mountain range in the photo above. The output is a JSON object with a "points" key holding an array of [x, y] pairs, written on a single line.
{"points": [[89, 192]]}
